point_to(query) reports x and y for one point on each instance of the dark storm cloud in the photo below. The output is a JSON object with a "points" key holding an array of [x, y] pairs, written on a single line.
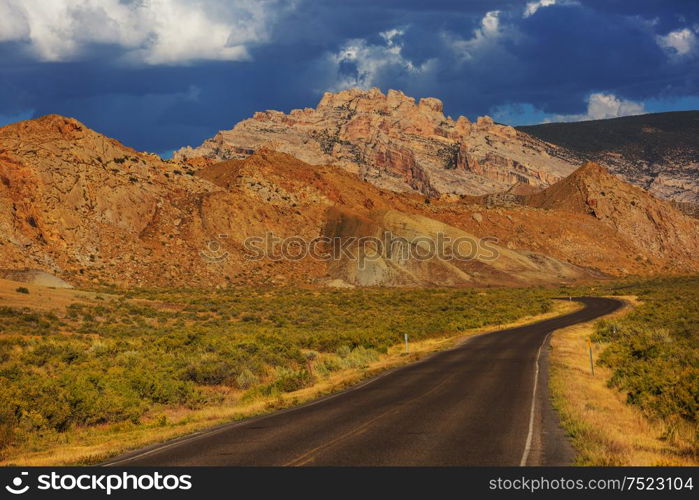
{"points": [[544, 64]]}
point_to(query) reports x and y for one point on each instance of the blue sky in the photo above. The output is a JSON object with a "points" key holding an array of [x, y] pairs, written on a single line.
{"points": [[160, 74]]}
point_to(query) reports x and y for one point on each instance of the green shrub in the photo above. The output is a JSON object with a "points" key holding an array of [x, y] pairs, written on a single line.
{"points": [[9, 411], [359, 357], [209, 369], [246, 379], [289, 380], [654, 351]]}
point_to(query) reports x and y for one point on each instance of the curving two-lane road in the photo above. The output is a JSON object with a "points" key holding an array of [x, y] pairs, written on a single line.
{"points": [[484, 402]]}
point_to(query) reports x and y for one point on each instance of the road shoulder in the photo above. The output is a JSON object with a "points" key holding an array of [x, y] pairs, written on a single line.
{"points": [[602, 428]]}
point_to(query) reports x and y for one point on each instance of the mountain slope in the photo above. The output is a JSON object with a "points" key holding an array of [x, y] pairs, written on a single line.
{"points": [[629, 210], [84, 207], [659, 152]]}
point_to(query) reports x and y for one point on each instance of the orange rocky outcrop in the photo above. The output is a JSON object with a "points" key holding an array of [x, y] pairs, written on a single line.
{"points": [[88, 209]]}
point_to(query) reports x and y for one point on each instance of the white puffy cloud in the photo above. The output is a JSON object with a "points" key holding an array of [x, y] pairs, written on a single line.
{"points": [[487, 34], [149, 31], [490, 24], [371, 61], [13, 24], [679, 43], [532, 7], [601, 106]]}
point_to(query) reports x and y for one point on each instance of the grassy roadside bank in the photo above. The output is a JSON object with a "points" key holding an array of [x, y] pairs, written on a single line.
{"points": [[640, 406], [110, 375]]}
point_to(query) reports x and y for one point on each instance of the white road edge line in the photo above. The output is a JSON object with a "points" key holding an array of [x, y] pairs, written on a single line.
{"points": [[530, 434]]}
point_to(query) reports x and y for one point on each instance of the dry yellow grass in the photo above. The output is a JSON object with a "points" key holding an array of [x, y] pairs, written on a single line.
{"points": [[41, 298], [95, 444], [604, 429]]}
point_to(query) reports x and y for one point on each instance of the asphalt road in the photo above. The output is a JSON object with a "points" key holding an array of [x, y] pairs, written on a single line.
{"points": [[484, 402]]}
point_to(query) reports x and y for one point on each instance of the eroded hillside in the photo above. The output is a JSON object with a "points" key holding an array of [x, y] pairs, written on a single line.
{"points": [[84, 207]]}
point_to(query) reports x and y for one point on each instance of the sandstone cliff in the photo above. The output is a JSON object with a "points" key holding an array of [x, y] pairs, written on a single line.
{"points": [[395, 143]]}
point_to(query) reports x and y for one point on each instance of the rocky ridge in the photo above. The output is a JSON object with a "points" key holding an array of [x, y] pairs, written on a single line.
{"points": [[395, 143], [88, 209]]}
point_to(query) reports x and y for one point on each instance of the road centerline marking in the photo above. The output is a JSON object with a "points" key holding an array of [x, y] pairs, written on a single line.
{"points": [[308, 456]]}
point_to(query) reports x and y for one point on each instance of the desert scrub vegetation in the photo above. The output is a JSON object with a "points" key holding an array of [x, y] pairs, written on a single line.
{"points": [[653, 351], [639, 408], [123, 362]]}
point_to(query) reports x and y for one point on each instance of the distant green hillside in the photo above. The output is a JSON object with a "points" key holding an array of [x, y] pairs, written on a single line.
{"points": [[658, 152], [652, 138]]}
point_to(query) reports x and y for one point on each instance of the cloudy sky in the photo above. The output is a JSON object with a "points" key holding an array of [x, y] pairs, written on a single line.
{"points": [[159, 74]]}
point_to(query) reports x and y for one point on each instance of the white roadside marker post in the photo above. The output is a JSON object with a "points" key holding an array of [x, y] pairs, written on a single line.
{"points": [[407, 349], [592, 365]]}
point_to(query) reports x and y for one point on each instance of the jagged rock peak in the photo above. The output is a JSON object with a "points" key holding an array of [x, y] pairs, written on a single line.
{"points": [[375, 100]]}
